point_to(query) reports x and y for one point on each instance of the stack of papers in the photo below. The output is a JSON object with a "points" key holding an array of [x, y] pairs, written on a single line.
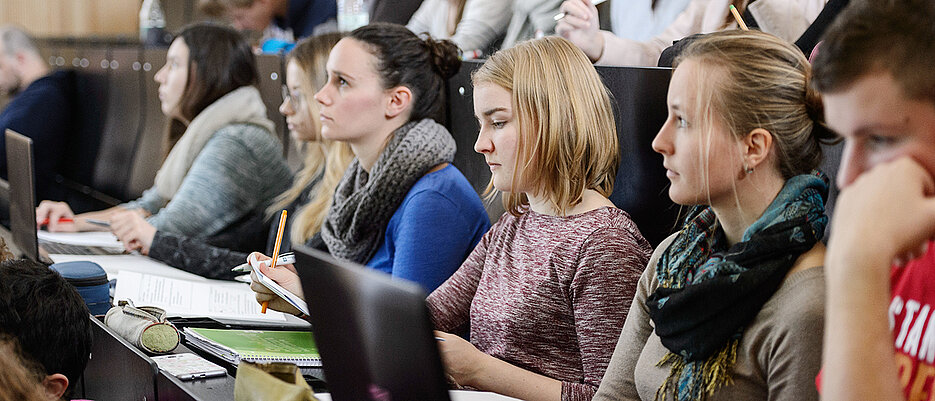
{"points": [[186, 298]]}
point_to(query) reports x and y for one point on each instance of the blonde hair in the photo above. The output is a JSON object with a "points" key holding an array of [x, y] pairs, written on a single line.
{"points": [[324, 158], [20, 379], [760, 81], [568, 138]]}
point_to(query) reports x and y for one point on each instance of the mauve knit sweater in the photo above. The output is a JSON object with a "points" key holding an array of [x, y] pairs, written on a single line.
{"points": [[548, 294]]}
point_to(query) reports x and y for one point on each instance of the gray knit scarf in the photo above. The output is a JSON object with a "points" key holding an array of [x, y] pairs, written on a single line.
{"points": [[364, 202]]}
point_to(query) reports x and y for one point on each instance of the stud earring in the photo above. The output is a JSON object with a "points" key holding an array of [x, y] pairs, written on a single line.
{"points": [[747, 169]]}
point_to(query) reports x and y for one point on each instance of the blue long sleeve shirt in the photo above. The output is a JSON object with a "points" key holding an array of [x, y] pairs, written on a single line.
{"points": [[436, 227]]}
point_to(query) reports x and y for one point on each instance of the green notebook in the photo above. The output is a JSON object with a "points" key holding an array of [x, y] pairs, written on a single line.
{"points": [[296, 347]]}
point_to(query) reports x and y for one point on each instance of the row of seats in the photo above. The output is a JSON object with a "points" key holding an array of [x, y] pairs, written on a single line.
{"points": [[122, 124]]}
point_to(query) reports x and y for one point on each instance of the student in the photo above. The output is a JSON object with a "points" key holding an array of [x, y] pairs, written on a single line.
{"points": [[530, 19], [401, 208], [787, 19], [470, 24], [730, 307], [49, 319], [224, 164], [544, 294], [287, 20], [40, 108], [876, 72], [306, 201]]}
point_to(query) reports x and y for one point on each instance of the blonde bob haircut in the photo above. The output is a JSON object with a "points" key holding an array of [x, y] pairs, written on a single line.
{"points": [[564, 118]]}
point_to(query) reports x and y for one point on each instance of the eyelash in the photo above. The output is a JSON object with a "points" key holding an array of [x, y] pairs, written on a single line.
{"points": [[681, 122], [498, 124]]}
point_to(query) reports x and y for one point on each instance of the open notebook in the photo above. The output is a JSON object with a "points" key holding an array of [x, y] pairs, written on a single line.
{"points": [[296, 347]]}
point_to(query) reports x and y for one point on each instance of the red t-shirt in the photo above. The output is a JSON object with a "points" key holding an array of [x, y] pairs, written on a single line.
{"points": [[912, 321]]}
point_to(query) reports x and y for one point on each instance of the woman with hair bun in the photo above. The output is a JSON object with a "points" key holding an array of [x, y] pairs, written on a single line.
{"points": [[731, 307], [401, 207]]}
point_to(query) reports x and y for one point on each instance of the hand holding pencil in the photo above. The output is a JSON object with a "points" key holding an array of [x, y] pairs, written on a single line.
{"points": [[282, 226]]}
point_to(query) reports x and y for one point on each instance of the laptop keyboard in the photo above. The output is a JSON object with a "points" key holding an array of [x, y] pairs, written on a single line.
{"points": [[68, 249]]}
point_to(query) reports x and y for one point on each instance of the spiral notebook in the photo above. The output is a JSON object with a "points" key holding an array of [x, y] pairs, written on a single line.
{"points": [[233, 346]]}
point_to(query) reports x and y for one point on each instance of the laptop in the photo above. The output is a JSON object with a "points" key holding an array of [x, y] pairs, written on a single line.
{"points": [[117, 370], [373, 332], [22, 180]]}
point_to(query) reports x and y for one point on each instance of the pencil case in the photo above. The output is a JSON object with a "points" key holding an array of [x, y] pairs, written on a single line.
{"points": [[91, 282], [145, 327]]}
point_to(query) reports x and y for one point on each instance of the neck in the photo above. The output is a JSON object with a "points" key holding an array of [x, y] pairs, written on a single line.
{"points": [[590, 200], [33, 70], [754, 194], [368, 148]]}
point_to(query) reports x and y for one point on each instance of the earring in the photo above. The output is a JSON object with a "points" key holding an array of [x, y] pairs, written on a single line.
{"points": [[747, 169]]}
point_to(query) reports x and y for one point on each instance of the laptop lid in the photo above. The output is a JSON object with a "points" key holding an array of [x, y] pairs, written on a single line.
{"points": [[117, 370], [373, 332], [22, 178]]}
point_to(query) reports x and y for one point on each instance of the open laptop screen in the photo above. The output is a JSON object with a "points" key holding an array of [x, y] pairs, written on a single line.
{"points": [[373, 332], [19, 156]]}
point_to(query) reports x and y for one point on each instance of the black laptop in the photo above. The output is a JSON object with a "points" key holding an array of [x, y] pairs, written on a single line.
{"points": [[373, 332], [22, 180]]}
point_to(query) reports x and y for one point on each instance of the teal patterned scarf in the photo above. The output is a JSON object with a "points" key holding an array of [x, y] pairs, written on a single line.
{"points": [[708, 293]]}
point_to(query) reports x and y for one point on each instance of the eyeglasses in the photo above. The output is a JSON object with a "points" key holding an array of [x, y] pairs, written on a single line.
{"points": [[296, 98]]}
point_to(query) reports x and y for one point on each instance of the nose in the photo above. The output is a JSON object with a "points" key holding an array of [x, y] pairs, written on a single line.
{"points": [[286, 108], [160, 75], [661, 143], [483, 144], [321, 96], [852, 164]]}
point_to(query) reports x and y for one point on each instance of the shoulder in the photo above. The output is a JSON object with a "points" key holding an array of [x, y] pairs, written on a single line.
{"points": [[609, 226], [795, 311], [446, 186], [247, 138]]}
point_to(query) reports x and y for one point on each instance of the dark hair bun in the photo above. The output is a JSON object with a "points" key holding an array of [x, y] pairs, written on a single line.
{"points": [[445, 57], [816, 111]]}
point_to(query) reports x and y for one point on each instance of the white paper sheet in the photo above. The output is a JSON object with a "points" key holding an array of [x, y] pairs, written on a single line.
{"points": [[187, 298], [104, 239]]}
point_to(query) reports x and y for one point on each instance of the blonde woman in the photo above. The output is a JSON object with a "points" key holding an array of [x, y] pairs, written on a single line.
{"points": [[731, 306], [544, 294], [307, 200]]}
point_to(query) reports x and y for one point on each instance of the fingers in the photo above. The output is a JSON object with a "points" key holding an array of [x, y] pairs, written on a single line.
{"points": [[51, 212], [577, 8]]}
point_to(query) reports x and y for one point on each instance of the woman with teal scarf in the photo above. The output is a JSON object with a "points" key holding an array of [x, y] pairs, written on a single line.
{"points": [[731, 306]]}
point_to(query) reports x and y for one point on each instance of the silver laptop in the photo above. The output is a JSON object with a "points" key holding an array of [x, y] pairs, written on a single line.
{"points": [[22, 179]]}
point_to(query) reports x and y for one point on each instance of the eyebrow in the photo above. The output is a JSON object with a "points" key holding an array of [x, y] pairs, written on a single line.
{"points": [[488, 112], [344, 75]]}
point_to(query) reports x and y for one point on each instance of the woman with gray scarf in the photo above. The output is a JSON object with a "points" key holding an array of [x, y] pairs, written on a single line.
{"points": [[401, 208]]}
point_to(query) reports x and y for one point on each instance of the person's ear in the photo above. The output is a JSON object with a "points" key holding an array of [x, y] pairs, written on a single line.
{"points": [[756, 147], [398, 101], [55, 386]]}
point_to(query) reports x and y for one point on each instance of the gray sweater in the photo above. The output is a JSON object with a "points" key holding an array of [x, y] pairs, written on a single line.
{"points": [[238, 173], [482, 22], [778, 357]]}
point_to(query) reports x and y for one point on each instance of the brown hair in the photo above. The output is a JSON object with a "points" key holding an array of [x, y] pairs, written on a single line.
{"points": [[404, 59], [761, 81], [324, 158], [565, 146], [219, 61], [892, 36]]}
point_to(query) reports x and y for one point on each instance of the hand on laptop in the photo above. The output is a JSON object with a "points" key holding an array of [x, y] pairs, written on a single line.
{"points": [[133, 230], [56, 216], [284, 275], [462, 360]]}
